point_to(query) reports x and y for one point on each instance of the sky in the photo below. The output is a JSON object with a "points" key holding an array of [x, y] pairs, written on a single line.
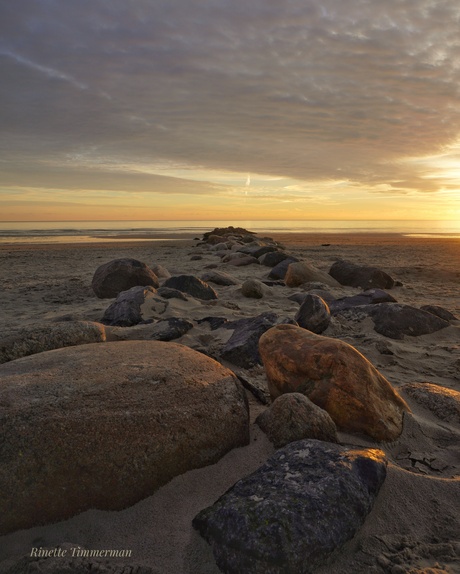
{"points": [[229, 109]]}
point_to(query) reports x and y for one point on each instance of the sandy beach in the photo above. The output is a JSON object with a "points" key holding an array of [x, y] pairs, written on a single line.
{"points": [[414, 525]]}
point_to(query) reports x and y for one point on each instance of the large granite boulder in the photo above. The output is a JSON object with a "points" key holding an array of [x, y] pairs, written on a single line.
{"points": [[364, 276], [292, 417], [127, 309], [104, 425], [242, 349], [47, 337], [120, 275], [307, 500], [395, 320], [336, 377], [191, 285], [313, 314], [302, 272]]}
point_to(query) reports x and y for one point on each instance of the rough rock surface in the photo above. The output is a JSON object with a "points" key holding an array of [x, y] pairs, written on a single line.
{"points": [[368, 297], [273, 258], [170, 329], [439, 312], [313, 314], [104, 425], [253, 289], [242, 347], [336, 377], [279, 270], [441, 401], [395, 320], [191, 285], [219, 278], [120, 275], [47, 337], [170, 293], [363, 276], [302, 272], [308, 499], [292, 417], [126, 310]]}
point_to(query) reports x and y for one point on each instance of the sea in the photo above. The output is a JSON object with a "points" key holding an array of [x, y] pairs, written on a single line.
{"points": [[15, 232]]}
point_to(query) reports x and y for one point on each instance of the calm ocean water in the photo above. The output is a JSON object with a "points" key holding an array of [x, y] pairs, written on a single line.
{"points": [[93, 231]]}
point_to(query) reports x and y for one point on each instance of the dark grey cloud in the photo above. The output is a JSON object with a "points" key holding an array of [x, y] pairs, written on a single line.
{"points": [[295, 88]]}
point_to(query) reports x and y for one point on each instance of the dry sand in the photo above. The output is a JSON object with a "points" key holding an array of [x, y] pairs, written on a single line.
{"points": [[414, 525]]}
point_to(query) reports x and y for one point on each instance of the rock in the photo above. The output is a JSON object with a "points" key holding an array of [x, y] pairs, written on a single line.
{"points": [[243, 260], [363, 276], [196, 258], [334, 376], [47, 337], [253, 289], [301, 272], [313, 314], [242, 347], [273, 258], [191, 285], [126, 310], [120, 275], [258, 251], [160, 271], [441, 401], [232, 231], [72, 558], [219, 278], [279, 271], [216, 322], [308, 499], [105, 425], [294, 417], [395, 320], [170, 329], [169, 293], [369, 297], [439, 312], [300, 297]]}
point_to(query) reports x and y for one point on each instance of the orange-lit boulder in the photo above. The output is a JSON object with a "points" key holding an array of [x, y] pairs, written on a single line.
{"points": [[334, 376]]}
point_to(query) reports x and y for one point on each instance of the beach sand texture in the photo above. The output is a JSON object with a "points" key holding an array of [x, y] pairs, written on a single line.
{"points": [[414, 525]]}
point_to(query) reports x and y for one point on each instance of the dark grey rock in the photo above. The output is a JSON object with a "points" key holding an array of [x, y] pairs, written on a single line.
{"points": [[273, 258], [279, 270], [323, 293], [126, 310], [292, 417], [242, 347], [120, 275], [288, 517], [219, 278], [347, 273], [368, 297], [257, 250], [169, 293], [170, 329], [395, 320], [196, 258], [313, 314], [191, 285], [439, 312]]}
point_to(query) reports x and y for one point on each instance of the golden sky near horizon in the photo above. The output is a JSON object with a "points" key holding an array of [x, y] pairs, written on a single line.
{"points": [[184, 109]]}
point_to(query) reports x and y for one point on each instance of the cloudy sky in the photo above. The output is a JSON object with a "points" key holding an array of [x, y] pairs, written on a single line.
{"points": [[229, 109]]}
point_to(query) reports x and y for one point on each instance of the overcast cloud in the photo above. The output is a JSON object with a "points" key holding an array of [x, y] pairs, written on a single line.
{"points": [[352, 90]]}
